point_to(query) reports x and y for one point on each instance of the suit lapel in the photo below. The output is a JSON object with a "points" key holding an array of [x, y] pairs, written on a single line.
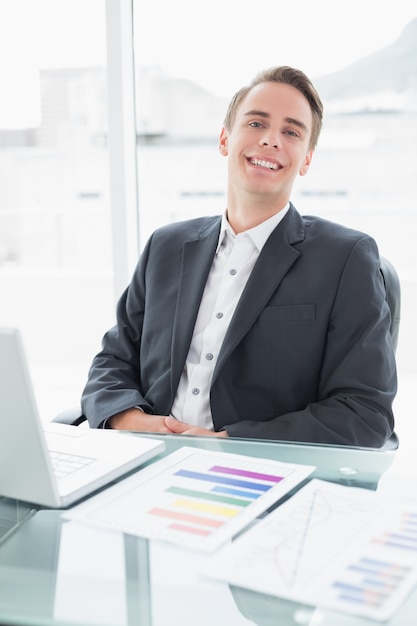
{"points": [[276, 258], [196, 262]]}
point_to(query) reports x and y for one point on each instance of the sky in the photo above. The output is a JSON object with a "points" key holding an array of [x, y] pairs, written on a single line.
{"points": [[223, 43], [219, 44]]}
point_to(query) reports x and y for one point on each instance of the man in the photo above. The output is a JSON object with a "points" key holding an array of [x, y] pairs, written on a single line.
{"points": [[261, 323]]}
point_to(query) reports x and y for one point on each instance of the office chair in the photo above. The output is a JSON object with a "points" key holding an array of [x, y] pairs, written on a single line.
{"points": [[393, 295], [392, 284]]}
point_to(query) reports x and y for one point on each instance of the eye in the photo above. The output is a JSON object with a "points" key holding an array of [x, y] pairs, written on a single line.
{"points": [[255, 125], [292, 133]]}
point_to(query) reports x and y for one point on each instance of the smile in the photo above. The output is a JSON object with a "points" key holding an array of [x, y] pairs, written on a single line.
{"points": [[262, 163]]}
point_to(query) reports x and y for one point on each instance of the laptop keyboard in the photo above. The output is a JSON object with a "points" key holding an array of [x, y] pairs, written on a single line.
{"points": [[64, 464]]}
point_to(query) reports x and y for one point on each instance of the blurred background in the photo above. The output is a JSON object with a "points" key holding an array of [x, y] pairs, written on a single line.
{"points": [[59, 213]]}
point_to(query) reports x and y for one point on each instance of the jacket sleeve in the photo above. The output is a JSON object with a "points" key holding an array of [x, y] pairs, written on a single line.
{"points": [[114, 383]]}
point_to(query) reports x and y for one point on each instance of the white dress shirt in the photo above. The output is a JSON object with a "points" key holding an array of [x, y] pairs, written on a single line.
{"points": [[232, 265]]}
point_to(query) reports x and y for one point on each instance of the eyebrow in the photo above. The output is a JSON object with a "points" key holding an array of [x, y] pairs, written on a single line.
{"points": [[288, 120]]}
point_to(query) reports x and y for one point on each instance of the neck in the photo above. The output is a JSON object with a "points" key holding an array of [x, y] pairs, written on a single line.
{"points": [[244, 217]]}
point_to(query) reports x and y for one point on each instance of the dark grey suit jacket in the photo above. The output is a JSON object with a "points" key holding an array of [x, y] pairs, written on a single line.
{"points": [[307, 357]]}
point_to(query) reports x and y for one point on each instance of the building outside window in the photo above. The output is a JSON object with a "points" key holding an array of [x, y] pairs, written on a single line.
{"points": [[55, 228]]}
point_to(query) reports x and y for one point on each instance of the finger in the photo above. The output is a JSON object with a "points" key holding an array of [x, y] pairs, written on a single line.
{"points": [[175, 425]]}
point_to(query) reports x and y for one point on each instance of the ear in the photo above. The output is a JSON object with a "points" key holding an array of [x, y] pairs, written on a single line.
{"points": [[223, 142], [306, 164]]}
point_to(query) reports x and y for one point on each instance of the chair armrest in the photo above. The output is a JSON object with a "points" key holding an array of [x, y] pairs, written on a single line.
{"points": [[72, 417], [392, 443]]}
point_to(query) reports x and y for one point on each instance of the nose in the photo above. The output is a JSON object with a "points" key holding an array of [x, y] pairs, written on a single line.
{"points": [[271, 139]]}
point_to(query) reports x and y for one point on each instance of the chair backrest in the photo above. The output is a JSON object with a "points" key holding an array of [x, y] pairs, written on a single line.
{"points": [[393, 295]]}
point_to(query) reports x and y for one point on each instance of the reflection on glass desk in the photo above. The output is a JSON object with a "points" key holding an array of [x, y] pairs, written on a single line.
{"points": [[12, 515], [60, 572]]}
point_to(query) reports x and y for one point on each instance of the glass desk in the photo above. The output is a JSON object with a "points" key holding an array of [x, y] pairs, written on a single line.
{"points": [[59, 572]]}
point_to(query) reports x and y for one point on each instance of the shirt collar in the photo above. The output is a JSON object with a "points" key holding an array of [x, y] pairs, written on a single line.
{"points": [[259, 234]]}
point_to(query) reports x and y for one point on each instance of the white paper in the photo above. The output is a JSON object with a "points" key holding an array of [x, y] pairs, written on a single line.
{"points": [[330, 546], [196, 498]]}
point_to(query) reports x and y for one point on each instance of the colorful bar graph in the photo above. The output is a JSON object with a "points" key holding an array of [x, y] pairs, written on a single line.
{"points": [[392, 540], [195, 498], [370, 582], [185, 517], [236, 492], [223, 480], [201, 499], [319, 548], [247, 474], [197, 505], [189, 529], [208, 495]]}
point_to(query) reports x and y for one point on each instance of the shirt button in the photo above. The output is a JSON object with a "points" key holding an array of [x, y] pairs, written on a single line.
{"points": [[233, 272], [209, 356], [219, 315], [195, 391]]}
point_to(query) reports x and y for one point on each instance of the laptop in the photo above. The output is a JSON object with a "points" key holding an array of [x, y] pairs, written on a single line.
{"points": [[84, 459]]}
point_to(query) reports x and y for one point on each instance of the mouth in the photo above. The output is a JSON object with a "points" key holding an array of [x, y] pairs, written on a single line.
{"points": [[269, 165]]}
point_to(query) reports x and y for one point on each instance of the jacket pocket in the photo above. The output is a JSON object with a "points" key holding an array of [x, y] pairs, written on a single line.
{"points": [[289, 313]]}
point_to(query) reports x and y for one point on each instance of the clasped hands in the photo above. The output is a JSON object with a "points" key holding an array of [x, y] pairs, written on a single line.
{"points": [[136, 420]]}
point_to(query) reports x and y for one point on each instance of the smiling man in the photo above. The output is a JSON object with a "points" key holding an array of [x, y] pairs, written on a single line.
{"points": [[259, 323], [267, 140]]}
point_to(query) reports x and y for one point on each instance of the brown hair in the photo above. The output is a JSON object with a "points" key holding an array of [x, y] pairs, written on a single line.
{"points": [[289, 76]]}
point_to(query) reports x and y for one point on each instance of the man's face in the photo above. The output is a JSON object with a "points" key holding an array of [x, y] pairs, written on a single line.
{"points": [[268, 144]]}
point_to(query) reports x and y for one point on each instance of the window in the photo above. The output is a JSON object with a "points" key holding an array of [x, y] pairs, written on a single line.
{"points": [[56, 271]]}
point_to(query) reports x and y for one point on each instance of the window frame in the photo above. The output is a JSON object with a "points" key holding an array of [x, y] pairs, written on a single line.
{"points": [[122, 134]]}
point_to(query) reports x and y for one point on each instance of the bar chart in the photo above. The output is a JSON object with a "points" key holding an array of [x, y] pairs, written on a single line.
{"points": [[207, 500], [195, 498], [329, 546]]}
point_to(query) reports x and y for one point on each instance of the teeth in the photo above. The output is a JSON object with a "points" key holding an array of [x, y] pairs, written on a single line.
{"points": [[271, 166]]}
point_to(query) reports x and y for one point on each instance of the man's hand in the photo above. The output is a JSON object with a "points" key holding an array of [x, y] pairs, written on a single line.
{"points": [[181, 428], [135, 419]]}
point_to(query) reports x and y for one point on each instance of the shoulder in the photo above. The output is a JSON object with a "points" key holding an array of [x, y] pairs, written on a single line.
{"points": [[326, 228], [333, 236], [187, 229], [302, 229], [329, 242]]}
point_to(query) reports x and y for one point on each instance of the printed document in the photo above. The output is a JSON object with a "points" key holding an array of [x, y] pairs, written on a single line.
{"points": [[328, 546], [196, 498]]}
